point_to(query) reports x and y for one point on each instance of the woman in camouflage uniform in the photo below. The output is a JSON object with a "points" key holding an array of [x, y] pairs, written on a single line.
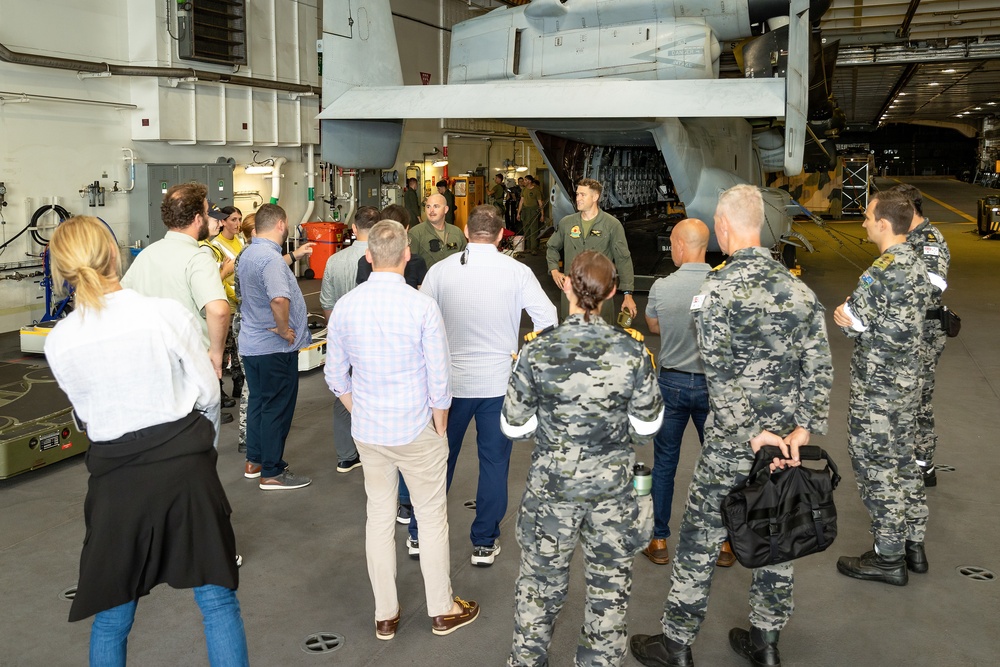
{"points": [[587, 390]]}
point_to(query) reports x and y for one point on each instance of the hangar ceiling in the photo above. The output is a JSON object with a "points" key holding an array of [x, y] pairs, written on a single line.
{"points": [[928, 61]]}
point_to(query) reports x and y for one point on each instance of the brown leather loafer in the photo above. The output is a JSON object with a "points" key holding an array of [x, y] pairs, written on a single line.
{"points": [[386, 630], [726, 556], [448, 623], [657, 551]]}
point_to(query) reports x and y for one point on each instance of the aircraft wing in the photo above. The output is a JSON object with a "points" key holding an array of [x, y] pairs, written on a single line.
{"points": [[565, 98]]}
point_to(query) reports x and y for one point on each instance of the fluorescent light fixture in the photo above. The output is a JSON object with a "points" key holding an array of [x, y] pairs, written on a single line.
{"points": [[440, 163], [902, 94], [933, 83], [522, 169], [259, 169]]}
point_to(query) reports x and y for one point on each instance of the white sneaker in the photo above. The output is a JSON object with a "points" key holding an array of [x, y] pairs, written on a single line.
{"points": [[413, 548], [484, 556]]}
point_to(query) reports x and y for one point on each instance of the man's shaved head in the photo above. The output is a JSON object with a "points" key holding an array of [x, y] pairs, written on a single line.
{"points": [[693, 232]]}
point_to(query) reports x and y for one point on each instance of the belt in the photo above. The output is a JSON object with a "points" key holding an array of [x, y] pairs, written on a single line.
{"points": [[934, 314], [674, 370]]}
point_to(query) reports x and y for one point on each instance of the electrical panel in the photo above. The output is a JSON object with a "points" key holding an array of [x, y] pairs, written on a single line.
{"points": [[152, 182]]}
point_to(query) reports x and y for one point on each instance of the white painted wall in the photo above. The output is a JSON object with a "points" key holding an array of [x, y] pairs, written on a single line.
{"points": [[50, 150]]}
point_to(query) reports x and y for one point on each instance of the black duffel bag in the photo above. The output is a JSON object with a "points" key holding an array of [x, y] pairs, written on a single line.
{"points": [[777, 517]]}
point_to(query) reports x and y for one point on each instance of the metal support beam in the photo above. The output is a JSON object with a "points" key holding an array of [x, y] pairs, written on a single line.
{"points": [[901, 82], [904, 27]]}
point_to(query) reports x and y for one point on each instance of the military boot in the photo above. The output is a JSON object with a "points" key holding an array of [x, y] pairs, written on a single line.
{"points": [[916, 559], [756, 645], [227, 402], [660, 651], [929, 474], [872, 566]]}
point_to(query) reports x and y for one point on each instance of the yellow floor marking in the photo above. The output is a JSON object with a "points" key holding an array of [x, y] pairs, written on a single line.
{"points": [[941, 203]]}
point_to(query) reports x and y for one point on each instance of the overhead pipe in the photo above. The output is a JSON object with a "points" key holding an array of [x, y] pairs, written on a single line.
{"points": [[75, 65]]}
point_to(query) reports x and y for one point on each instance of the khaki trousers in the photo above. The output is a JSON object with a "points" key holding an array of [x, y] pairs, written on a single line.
{"points": [[424, 465]]}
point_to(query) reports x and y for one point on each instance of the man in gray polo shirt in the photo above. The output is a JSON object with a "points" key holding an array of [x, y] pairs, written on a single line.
{"points": [[682, 374], [339, 277]]}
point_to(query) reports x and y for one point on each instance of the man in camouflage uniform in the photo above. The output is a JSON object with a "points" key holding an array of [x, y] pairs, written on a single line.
{"points": [[590, 228], [931, 247], [885, 315], [590, 391], [763, 341]]}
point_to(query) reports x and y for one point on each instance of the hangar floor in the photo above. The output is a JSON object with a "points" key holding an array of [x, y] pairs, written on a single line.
{"points": [[304, 570]]}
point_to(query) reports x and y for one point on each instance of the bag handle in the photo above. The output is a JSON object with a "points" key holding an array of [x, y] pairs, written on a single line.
{"points": [[807, 453]]}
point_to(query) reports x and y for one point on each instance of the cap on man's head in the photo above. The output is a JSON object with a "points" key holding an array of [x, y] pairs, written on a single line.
{"points": [[215, 211]]}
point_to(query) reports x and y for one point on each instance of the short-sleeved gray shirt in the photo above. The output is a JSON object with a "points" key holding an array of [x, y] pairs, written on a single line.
{"points": [[670, 303]]}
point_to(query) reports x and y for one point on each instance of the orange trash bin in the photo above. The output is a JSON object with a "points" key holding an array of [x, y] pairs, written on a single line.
{"points": [[329, 238]]}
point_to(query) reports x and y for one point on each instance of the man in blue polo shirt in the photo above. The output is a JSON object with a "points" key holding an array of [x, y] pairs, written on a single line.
{"points": [[273, 330]]}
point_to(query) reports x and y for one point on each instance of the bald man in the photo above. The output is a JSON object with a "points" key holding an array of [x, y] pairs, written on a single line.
{"points": [[682, 374], [434, 239]]}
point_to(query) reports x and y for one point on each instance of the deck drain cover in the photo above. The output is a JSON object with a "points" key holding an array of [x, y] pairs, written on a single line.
{"points": [[69, 593], [944, 468], [469, 504], [322, 642], [976, 573]]}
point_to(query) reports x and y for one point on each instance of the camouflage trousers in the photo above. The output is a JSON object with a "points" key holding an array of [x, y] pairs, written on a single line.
{"points": [[931, 346], [244, 400], [611, 532], [881, 429], [721, 466], [231, 354]]}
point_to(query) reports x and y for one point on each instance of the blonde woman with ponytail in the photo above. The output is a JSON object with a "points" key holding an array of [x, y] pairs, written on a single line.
{"points": [[586, 391], [139, 377]]}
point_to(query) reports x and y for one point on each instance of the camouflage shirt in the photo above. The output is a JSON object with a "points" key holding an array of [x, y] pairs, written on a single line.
{"points": [[586, 383], [889, 306], [931, 247], [762, 337]]}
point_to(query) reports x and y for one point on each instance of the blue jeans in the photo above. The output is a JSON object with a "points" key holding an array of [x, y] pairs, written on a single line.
{"points": [[224, 633], [494, 464], [685, 396], [274, 386]]}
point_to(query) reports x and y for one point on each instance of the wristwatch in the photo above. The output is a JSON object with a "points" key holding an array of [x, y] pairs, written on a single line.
{"points": [[627, 292]]}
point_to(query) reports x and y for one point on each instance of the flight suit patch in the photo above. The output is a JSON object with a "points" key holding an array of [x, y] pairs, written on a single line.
{"points": [[575, 233]]}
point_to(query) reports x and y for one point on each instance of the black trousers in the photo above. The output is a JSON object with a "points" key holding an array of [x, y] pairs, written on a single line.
{"points": [[273, 380]]}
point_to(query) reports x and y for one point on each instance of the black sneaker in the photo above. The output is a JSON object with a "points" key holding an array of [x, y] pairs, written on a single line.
{"points": [[403, 514], [348, 466], [929, 474], [226, 418], [484, 556]]}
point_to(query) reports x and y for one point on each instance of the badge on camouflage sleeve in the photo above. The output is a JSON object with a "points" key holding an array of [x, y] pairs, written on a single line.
{"points": [[931, 250], [575, 232], [883, 262], [698, 301], [866, 279]]}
